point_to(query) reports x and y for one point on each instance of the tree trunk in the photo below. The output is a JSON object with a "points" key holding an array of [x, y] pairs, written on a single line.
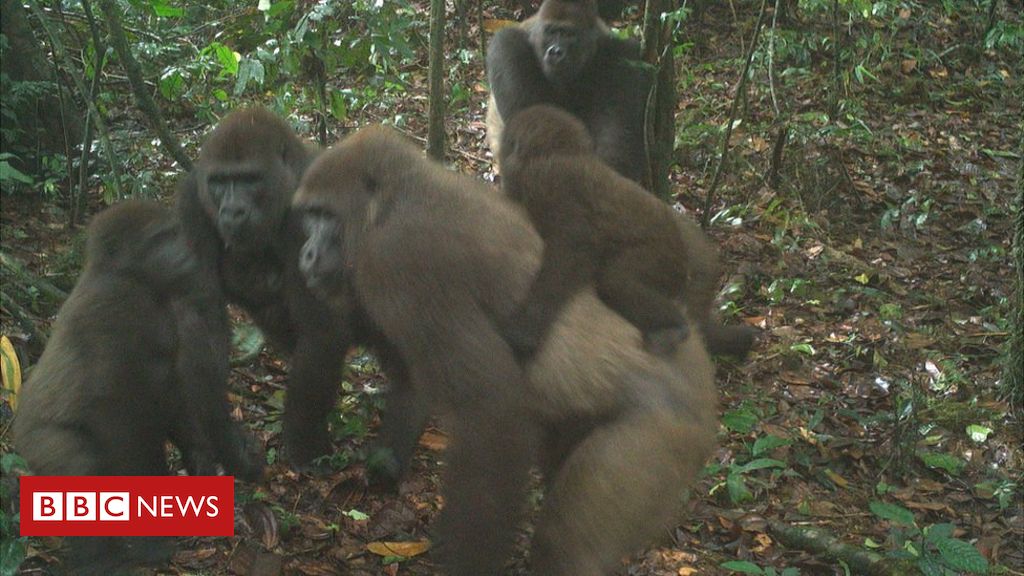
{"points": [[1013, 383], [660, 126], [436, 102]]}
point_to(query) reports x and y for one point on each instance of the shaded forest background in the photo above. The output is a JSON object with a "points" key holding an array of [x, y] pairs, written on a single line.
{"points": [[864, 183]]}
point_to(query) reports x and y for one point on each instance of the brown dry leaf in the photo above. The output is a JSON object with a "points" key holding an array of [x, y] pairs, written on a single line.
{"points": [[909, 65], [905, 14], [839, 480], [758, 144], [763, 543], [917, 341], [404, 549], [686, 571], [932, 506], [316, 568], [193, 557], [434, 440], [492, 25]]}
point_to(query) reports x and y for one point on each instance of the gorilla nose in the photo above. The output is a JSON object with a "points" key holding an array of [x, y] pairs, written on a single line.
{"points": [[554, 54], [232, 218], [307, 262]]}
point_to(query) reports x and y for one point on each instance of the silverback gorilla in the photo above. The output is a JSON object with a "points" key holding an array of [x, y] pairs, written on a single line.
{"points": [[565, 56], [434, 261]]}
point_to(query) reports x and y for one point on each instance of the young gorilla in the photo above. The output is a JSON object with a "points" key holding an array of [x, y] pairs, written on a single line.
{"points": [[116, 380], [599, 228], [565, 56], [434, 261], [236, 208]]}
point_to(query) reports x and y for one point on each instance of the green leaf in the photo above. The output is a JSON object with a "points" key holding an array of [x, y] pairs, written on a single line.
{"points": [[768, 443], [12, 554], [938, 532], [930, 567], [248, 69], [759, 464], [742, 566], [8, 172], [893, 513], [737, 487], [357, 515], [11, 461], [978, 433], [742, 420], [339, 107], [962, 556], [226, 57], [803, 348], [165, 10], [946, 462], [247, 340]]}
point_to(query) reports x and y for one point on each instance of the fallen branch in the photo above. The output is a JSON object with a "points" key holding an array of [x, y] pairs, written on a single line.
{"points": [[820, 543], [22, 273]]}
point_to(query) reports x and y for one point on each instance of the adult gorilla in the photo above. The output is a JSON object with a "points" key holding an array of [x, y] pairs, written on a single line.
{"points": [[434, 261]]}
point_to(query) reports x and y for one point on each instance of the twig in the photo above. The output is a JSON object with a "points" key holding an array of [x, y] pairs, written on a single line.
{"points": [[60, 54], [820, 542], [142, 97], [706, 216], [20, 271], [99, 49]]}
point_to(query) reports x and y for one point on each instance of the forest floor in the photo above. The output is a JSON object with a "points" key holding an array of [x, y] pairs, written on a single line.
{"points": [[879, 272]]}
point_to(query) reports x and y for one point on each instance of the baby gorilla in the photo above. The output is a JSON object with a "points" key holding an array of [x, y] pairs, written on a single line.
{"points": [[598, 227], [114, 383]]}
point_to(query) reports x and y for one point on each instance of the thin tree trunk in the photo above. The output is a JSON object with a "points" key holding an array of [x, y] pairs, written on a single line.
{"points": [[143, 99], [78, 201], [705, 218], [660, 126], [436, 102], [1013, 384]]}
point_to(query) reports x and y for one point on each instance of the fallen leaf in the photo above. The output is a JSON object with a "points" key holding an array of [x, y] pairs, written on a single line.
{"points": [[686, 571], [839, 480], [492, 25], [404, 549], [433, 440], [908, 66]]}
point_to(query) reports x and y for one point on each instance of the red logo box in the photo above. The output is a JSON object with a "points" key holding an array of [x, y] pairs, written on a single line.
{"points": [[127, 505]]}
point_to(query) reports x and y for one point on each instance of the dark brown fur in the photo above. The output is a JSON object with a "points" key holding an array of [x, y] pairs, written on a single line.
{"points": [[235, 204], [599, 229], [434, 261], [118, 379]]}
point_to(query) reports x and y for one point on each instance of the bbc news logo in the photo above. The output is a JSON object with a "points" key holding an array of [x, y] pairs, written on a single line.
{"points": [[127, 506]]}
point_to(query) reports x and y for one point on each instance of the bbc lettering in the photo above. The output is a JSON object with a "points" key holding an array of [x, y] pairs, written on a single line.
{"points": [[127, 505], [114, 506], [57, 506]]}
